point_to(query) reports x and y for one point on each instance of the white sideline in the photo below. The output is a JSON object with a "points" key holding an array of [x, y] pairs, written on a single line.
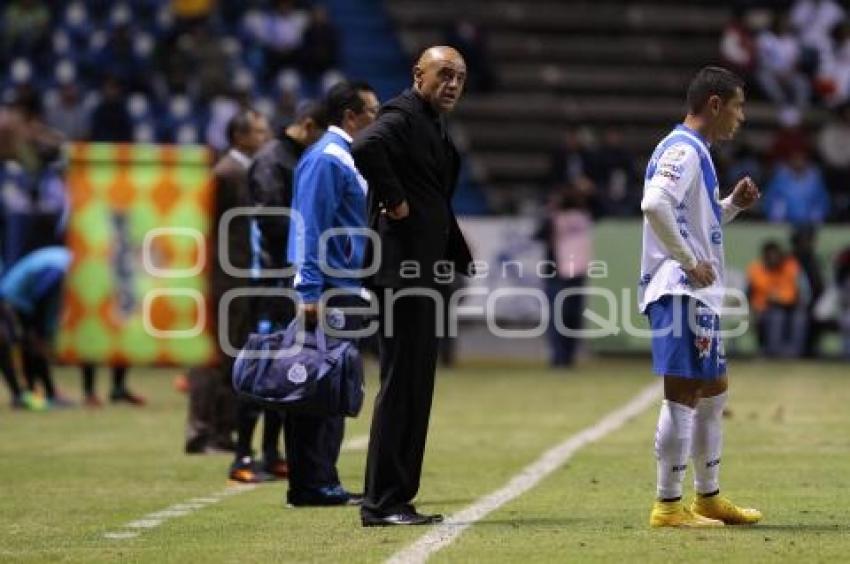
{"points": [[444, 534], [156, 518]]}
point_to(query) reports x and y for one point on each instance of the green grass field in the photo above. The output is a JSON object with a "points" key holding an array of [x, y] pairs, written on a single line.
{"points": [[69, 477]]}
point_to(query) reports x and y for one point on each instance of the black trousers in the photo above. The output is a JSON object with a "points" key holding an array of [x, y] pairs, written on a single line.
{"points": [[313, 443], [403, 405]]}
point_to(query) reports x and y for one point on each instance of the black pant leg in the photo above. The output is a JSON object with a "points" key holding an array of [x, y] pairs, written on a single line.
{"points": [[308, 453], [7, 367], [272, 425], [313, 443], [403, 405]]}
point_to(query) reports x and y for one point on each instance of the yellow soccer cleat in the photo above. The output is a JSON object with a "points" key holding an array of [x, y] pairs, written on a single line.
{"points": [[720, 508], [675, 514]]}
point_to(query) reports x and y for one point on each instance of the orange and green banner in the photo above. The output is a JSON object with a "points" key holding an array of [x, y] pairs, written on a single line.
{"points": [[138, 232]]}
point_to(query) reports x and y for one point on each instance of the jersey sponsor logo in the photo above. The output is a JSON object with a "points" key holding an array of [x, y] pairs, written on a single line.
{"points": [[676, 153], [644, 280], [667, 174], [679, 468], [716, 236]]}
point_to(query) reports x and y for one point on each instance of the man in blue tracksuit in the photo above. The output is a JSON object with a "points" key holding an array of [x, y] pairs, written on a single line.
{"points": [[329, 193]]}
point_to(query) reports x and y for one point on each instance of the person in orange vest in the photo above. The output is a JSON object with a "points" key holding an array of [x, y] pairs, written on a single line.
{"points": [[775, 298]]}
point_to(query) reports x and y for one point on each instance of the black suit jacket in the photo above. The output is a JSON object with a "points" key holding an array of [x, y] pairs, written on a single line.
{"points": [[270, 183], [407, 154]]}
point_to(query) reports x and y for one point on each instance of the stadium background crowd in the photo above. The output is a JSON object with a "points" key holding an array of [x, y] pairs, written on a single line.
{"points": [[176, 71]]}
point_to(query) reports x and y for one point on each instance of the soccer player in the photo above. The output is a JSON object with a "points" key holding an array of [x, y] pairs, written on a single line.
{"points": [[681, 291]]}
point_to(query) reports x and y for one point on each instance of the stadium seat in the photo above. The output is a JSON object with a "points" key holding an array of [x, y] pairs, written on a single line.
{"points": [[65, 72], [144, 132], [187, 134], [139, 107]]}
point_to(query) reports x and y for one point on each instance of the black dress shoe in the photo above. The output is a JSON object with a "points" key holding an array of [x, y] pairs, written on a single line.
{"points": [[403, 517], [323, 497], [434, 517]]}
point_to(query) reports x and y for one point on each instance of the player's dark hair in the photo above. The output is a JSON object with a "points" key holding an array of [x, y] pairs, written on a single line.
{"points": [[240, 123], [712, 81], [343, 96]]}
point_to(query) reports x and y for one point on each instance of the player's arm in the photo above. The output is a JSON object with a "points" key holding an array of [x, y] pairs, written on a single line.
{"points": [[744, 195], [673, 175], [317, 195]]}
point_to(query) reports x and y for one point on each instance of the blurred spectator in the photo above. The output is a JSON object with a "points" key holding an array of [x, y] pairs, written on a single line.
{"points": [[803, 244], [25, 28], [744, 161], [738, 45], [797, 193], [211, 65], [471, 41], [33, 202], [571, 162], [832, 82], [119, 393], [110, 120], [69, 113], [791, 137], [117, 58], [30, 300], [778, 71], [615, 176], [774, 293], [834, 150], [814, 21], [189, 13], [280, 31], [567, 234], [320, 51], [842, 280]]}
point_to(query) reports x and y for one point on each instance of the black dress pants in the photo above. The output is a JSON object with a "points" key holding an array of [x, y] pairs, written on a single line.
{"points": [[408, 360]]}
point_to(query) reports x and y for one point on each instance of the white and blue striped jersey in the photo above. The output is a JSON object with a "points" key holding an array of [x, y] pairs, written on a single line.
{"points": [[681, 166]]}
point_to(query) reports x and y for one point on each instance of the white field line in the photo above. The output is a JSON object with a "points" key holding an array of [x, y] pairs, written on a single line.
{"points": [[444, 534], [156, 518]]}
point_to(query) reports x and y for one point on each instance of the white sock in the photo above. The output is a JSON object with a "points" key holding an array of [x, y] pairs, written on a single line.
{"points": [[708, 442], [673, 447]]}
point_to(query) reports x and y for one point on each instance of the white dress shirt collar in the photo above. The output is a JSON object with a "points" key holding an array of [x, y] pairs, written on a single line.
{"points": [[240, 157], [341, 132]]}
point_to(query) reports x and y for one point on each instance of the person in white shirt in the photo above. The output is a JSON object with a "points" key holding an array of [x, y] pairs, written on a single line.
{"points": [[778, 66], [681, 291]]}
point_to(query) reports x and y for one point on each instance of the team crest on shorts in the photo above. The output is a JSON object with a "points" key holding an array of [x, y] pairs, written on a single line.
{"points": [[336, 319], [703, 345]]}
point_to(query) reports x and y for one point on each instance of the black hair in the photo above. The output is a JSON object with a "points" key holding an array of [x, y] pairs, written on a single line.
{"points": [[345, 95], [770, 245], [240, 123], [313, 110], [712, 81]]}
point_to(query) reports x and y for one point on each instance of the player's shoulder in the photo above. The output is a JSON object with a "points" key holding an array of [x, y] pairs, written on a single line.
{"points": [[678, 152]]}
